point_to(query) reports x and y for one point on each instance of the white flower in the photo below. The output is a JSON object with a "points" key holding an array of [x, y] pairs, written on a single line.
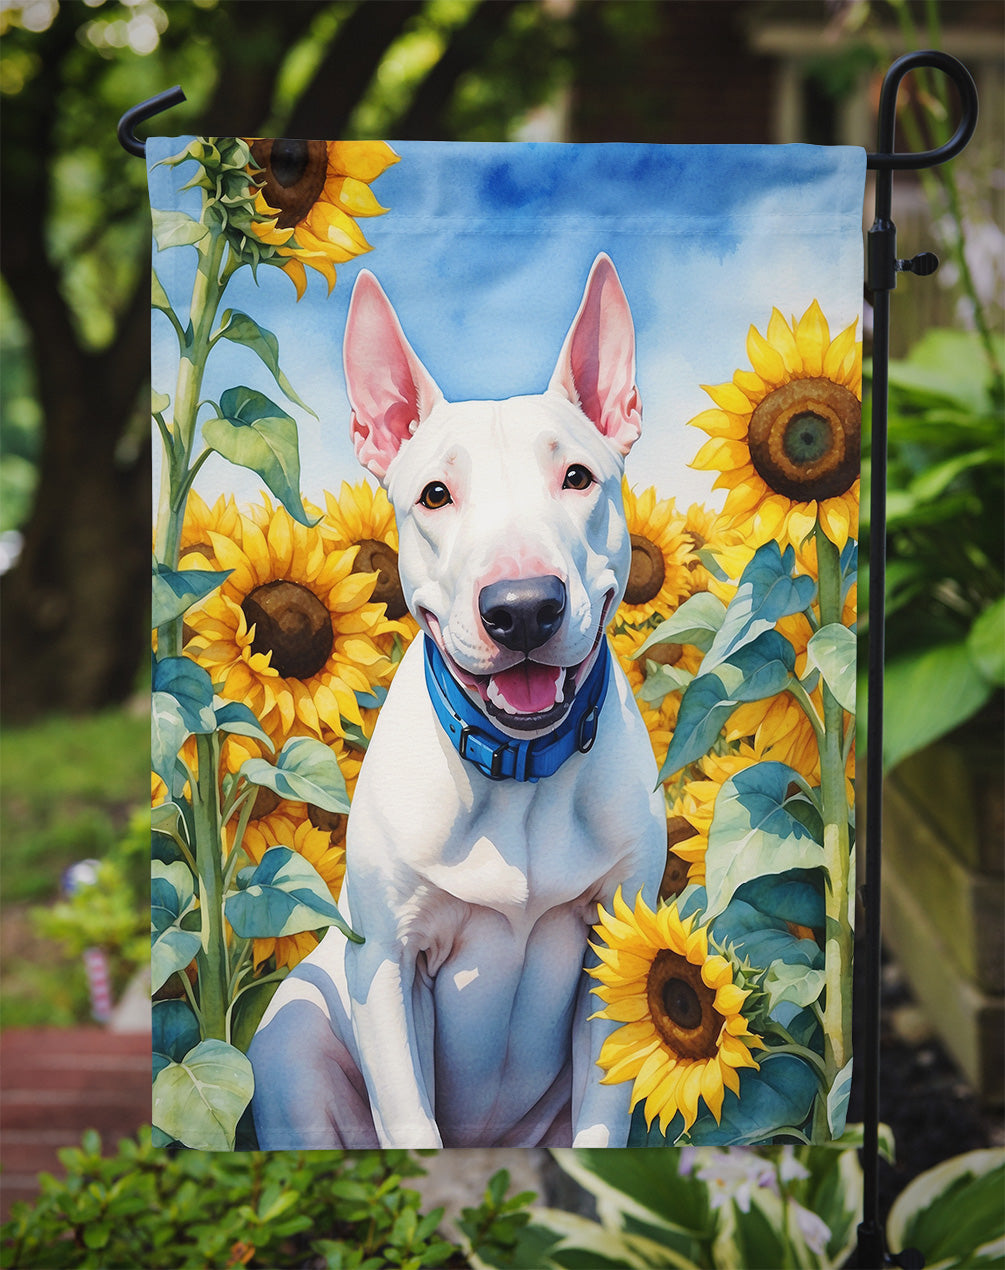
{"points": [[733, 1174], [814, 1230], [789, 1168]]}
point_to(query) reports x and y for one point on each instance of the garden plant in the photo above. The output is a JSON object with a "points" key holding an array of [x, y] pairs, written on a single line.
{"points": [[693, 1209]]}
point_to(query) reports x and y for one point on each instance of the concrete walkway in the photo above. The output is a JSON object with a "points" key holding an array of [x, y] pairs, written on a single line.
{"points": [[57, 1082]]}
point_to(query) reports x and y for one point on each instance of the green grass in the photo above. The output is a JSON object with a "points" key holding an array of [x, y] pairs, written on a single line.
{"points": [[67, 788]]}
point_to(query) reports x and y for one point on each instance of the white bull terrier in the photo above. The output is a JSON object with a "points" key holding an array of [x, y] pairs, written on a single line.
{"points": [[509, 785]]}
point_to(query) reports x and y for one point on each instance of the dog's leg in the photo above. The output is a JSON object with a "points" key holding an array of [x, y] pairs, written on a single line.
{"points": [[309, 1090], [382, 984]]}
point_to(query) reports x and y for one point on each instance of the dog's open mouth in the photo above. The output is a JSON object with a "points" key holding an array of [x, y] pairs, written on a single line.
{"points": [[526, 697], [530, 696]]}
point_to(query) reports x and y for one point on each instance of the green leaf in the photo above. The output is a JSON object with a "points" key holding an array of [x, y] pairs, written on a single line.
{"points": [[934, 481], [234, 716], [696, 622], [159, 402], [200, 1100], [767, 591], [760, 939], [97, 1234], [837, 1100], [172, 896], [661, 681], [802, 985], [754, 671], [181, 704], [953, 1213], [175, 1030], [166, 819], [176, 229], [175, 590], [929, 692], [646, 1186], [159, 297], [946, 365], [833, 651], [778, 1095], [305, 771], [282, 895], [753, 833], [242, 329], [986, 642], [192, 689], [255, 433]]}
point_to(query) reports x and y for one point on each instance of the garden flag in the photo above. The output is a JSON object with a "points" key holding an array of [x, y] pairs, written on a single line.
{"points": [[504, 599]]}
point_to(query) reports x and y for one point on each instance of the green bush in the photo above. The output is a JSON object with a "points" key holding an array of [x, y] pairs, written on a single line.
{"points": [[945, 628], [112, 914], [340, 1210]]}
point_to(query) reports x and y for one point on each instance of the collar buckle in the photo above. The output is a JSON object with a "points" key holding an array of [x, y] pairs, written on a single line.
{"points": [[474, 747]]}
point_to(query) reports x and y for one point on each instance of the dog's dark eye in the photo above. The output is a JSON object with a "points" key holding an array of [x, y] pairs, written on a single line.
{"points": [[578, 477], [435, 496]]}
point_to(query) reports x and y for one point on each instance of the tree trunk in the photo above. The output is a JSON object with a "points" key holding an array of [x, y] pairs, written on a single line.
{"points": [[75, 607]]}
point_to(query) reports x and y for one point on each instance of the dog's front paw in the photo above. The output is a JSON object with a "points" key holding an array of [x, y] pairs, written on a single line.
{"points": [[594, 1135]]}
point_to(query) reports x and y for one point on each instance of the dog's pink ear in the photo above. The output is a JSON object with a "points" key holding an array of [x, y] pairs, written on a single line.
{"points": [[390, 390], [596, 368]]}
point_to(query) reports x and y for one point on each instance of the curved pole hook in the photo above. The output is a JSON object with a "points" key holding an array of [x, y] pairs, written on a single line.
{"points": [[145, 110], [887, 159]]}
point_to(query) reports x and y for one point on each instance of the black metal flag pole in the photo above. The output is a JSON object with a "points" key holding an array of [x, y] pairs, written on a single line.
{"points": [[882, 267]]}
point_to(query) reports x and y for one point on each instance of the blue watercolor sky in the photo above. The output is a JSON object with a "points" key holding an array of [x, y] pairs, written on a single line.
{"points": [[484, 253]]}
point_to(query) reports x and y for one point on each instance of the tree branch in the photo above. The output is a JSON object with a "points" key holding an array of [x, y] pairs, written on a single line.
{"points": [[466, 48], [340, 81]]}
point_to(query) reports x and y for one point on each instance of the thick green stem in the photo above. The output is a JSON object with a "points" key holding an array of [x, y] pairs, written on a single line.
{"points": [[837, 842], [207, 292], [212, 958]]}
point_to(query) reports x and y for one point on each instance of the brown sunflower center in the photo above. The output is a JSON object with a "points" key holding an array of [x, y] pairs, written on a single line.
{"points": [[682, 1006], [647, 572], [665, 654], [804, 439], [377, 557], [291, 623], [674, 878], [266, 803], [294, 173], [698, 542], [333, 822]]}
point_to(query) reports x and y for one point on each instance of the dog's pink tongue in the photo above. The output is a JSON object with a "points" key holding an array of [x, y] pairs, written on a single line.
{"points": [[528, 688]]}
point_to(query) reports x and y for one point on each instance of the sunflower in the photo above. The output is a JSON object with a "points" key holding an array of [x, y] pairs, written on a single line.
{"points": [[683, 1034], [222, 518], [310, 196], [709, 532], [658, 577], [362, 516], [320, 838], [292, 632], [785, 435], [695, 805], [661, 719]]}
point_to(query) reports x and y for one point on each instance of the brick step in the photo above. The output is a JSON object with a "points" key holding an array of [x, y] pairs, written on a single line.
{"points": [[45, 1043], [55, 1083]]}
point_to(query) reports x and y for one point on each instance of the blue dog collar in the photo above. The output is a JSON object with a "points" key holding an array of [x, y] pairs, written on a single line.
{"points": [[500, 757]]}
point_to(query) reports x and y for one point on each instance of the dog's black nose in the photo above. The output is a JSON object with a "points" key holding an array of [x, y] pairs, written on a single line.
{"points": [[523, 613]]}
